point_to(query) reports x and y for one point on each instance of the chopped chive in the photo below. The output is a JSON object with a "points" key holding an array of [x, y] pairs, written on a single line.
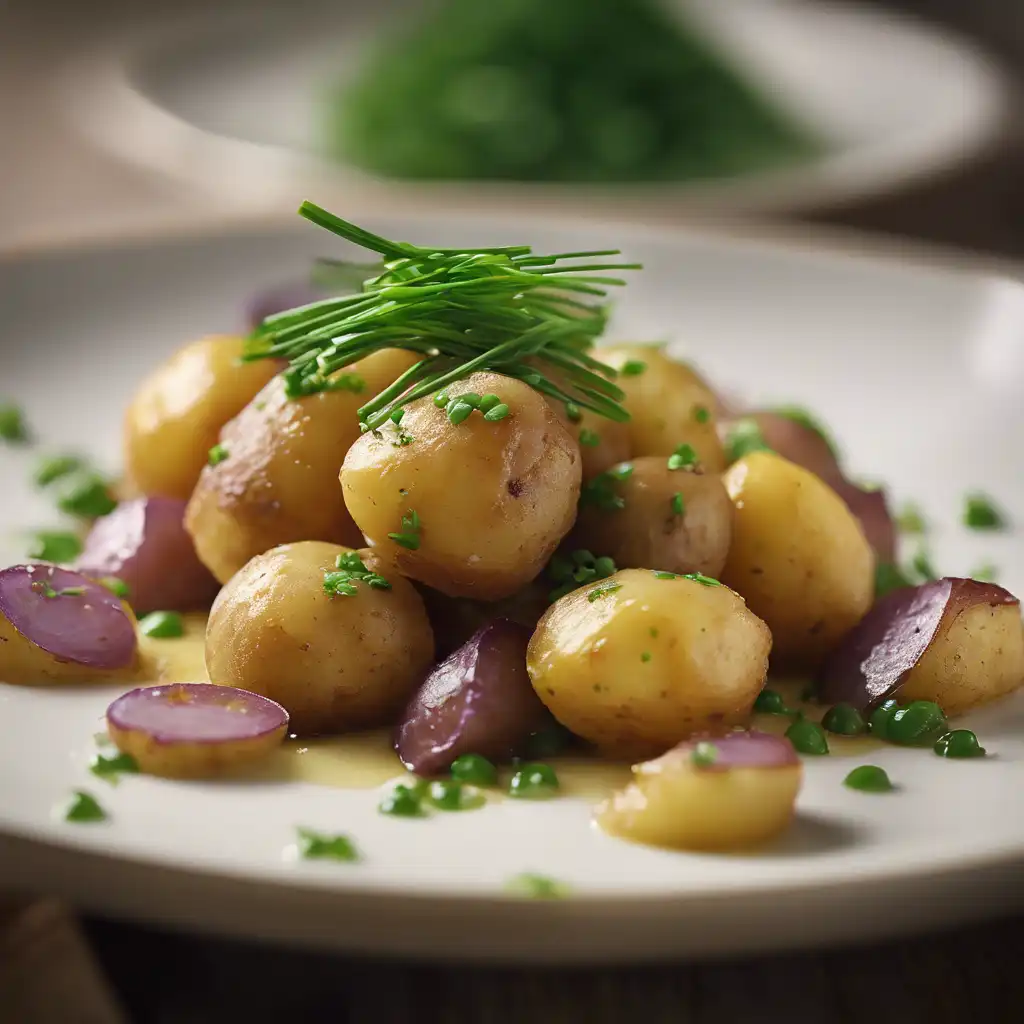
{"points": [[981, 513], [922, 565], [83, 807], [55, 546], [678, 507], [162, 625], [496, 413], [396, 416], [744, 437], [704, 754], [54, 467], [633, 368], [699, 577], [684, 457], [534, 781], [453, 795], [320, 846], [910, 519], [402, 802], [351, 569], [488, 402], [868, 778], [889, 577], [86, 496], [985, 573], [116, 586], [409, 537], [536, 887], [12, 424], [701, 413], [645, 657], [440, 399], [599, 592], [470, 398], [458, 412], [218, 453], [110, 767], [589, 438], [572, 410], [797, 414], [659, 575]]}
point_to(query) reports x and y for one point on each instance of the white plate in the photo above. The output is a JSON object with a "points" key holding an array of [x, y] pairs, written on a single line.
{"points": [[230, 105], [919, 371]]}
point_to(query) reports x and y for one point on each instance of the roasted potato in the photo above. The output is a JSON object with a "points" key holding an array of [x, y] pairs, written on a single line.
{"points": [[723, 793], [178, 410], [798, 556], [639, 661], [956, 642], [477, 507], [647, 516], [278, 481], [668, 402], [335, 663]]}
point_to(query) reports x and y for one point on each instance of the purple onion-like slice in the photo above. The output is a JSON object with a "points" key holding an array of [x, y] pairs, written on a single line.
{"points": [[144, 543], [188, 713], [873, 658], [479, 700], [68, 615], [871, 508], [740, 749]]}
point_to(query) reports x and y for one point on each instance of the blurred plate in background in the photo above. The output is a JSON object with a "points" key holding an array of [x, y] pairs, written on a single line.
{"points": [[235, 105]]}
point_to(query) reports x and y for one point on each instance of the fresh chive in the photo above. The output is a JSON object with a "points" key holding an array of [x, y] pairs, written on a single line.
{"points": [[409, 537], [83, 807], [678, 507], [743, 438], [922, 565], [704, 754], [633, 368], [459, 411], [488, 402], [320, 846], [985, 573], [599, 592], [600, 492], [55, 546], [589, 438], [116, 586], [910, 519], [797, 414], [645, 657], [110, 767], [162, 625], [889, 577], [536, 887], [572, 410], [684, 457], [496, 413], [701, 413], [218, 453], [85, 495], [351, 569], [981, 513], [12, 424], [53, 467]]}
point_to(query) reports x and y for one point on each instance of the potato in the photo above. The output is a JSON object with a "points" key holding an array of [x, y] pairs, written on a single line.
{"points": [[648, 531], [745, 795], [59, 626], [178, 410], [195, 730], [956, 642], [279, 480], [668, 402], [641, 660], [798, 556], [334, 663], [479, 506], [603, 442]]}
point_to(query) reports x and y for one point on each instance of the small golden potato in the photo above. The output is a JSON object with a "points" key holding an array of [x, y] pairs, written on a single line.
{"points": [[668, 402], [638, 662], [278, 482], [657, 518], [976, 657], [674, 802], [603, 442], [479, 506], [177, 412], [798, 556], [335, 663]]}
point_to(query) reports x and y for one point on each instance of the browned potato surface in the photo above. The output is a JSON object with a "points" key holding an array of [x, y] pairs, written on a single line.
{"points": [[278, 482], [677, 520], [178, 410], [478, 506]]}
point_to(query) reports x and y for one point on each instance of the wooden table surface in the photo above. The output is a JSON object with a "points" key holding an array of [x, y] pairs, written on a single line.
{"points": [[56, 970]]}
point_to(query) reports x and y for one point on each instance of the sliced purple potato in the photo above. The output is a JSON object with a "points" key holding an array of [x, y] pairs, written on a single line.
{"points": [[195, 730], [144, 543], [954, 641], [479, 700], [57, 625], [718, 793], [871, 507]]}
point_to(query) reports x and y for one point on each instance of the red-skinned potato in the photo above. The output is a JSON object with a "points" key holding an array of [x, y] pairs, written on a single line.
{"points": [[953, 641], [477, 701], [143, 542]]}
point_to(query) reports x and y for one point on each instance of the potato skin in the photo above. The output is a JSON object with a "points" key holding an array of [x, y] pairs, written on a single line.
{"points": [[672, 804], [647, 533], [613, 441], [178, 411], [977, 655], [707, 661], [798, 556], [279, 482], [493, 499], [334, 663], [666, 403]]}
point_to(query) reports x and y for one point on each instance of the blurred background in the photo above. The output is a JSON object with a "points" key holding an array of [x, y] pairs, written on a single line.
{"points": [[898, 116]]}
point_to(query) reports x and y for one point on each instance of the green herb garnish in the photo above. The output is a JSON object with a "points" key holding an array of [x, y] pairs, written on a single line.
{"points": [[320, 846], [109, 768], [959, 743], [633, 368], [537, 887], [83, 807], [86, 495], [403, 802], [743, 438], [55, 546], [600, 492], [807, 737], [162, 625], [47, 591], [589, 438], [534, 781], [350, 570], [684, 457], [889, 577], [910, 519], [474, 769], [12, 424], [460, 310], [453, 795], [53, 467], [704, 754], [701, 413], [577, 569], [116, 586], [797, 414], [678, 506], [981, 513], [986, 573], [922, 565], [409, 537], [844, 720], [218, 453], [600, 592], [868, 778], [771, 702]]}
